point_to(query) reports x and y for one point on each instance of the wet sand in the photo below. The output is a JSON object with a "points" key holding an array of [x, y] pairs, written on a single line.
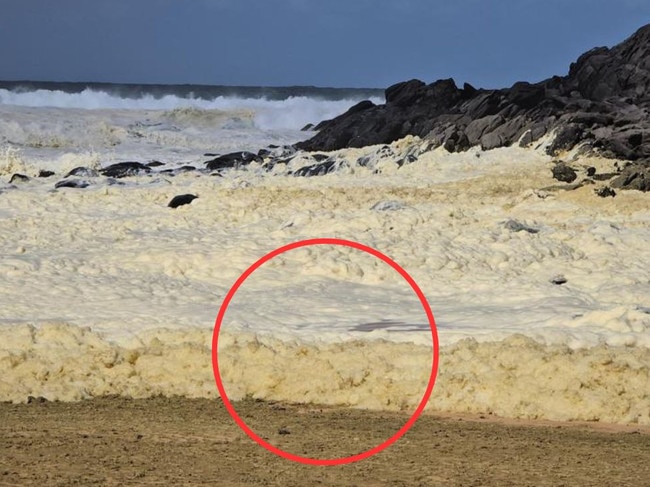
{"points": [[161, 441]]}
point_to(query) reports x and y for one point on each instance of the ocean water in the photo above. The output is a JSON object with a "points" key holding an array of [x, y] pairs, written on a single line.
{"points": [[106, 290]]}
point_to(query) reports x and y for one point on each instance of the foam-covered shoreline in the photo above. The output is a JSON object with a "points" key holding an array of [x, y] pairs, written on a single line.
{"points": [[516, 377], [111, 292]]}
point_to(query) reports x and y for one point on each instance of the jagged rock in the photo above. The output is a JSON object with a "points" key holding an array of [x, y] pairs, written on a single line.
{"points": [[602, 103], [635, 176], [565, 139]]}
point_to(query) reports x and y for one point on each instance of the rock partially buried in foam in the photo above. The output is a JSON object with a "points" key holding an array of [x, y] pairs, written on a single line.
{"points": [[181, 199], [82, 172], [125, 169], [388, 205], [605, 192], [72, 183], [559, 280], [564, 173], [319, 169], [36, 400], [636, 176], [515, 226], [232, 160], [18, 178]]}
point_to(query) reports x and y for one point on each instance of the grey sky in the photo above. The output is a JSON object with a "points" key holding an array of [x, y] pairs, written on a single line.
{"points": [[364, 43]]}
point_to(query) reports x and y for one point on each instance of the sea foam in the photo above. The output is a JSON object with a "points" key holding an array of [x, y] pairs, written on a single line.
{"points": [[106, 290]]}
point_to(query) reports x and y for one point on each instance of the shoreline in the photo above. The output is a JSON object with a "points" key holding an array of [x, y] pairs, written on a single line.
{"points": [[112, 440]]}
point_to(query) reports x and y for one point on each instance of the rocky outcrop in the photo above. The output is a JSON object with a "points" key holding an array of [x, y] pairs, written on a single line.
{"points": [[603, 103]]}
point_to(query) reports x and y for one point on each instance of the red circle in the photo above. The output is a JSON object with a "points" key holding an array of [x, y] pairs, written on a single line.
{"points": [[317, 461]]}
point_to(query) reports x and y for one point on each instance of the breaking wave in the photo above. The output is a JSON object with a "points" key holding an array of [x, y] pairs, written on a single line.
{"points": [[293, 112]]}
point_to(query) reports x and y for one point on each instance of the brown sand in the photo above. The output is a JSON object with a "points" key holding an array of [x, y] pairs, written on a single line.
{"points": [[160, 441]]}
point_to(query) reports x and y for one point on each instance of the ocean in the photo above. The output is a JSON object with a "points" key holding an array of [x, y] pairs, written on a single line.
{"points": [[541, 295]]}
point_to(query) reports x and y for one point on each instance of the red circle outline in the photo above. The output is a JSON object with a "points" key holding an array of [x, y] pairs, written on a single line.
{"points": [[317, 461]]}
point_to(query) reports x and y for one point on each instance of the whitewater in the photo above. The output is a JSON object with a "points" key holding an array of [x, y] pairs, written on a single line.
{"points": [[541, 295]]}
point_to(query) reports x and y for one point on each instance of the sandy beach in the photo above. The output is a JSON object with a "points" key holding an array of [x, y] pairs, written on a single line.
{"points": [[161, 441]]}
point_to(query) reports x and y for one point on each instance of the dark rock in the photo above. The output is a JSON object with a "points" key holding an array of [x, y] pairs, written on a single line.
{"points": [[319, 157], [125, 169], [181, 199], [404, 93], [477, 128], [186, 169], [72, 183], [605, 192], [559, 280], [234, 160], [284, 431], [564, 173], [409, 159], [635, 176], [457, 142], [45, 174], [18, 178], [565, 140], [361, 106], [363, 161], [319, 169], [36, 400], [308, 127], [525, 95], [591, 171], [491, 141], [155, 164], [469, 90], [602, 104], [82, 172]]}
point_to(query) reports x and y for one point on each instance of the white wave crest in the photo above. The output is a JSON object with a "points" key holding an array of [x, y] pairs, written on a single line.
{"points": [[291, 113]]}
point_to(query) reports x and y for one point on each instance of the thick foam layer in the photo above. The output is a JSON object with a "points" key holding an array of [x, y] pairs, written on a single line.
{"points": [[517, 377]]}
